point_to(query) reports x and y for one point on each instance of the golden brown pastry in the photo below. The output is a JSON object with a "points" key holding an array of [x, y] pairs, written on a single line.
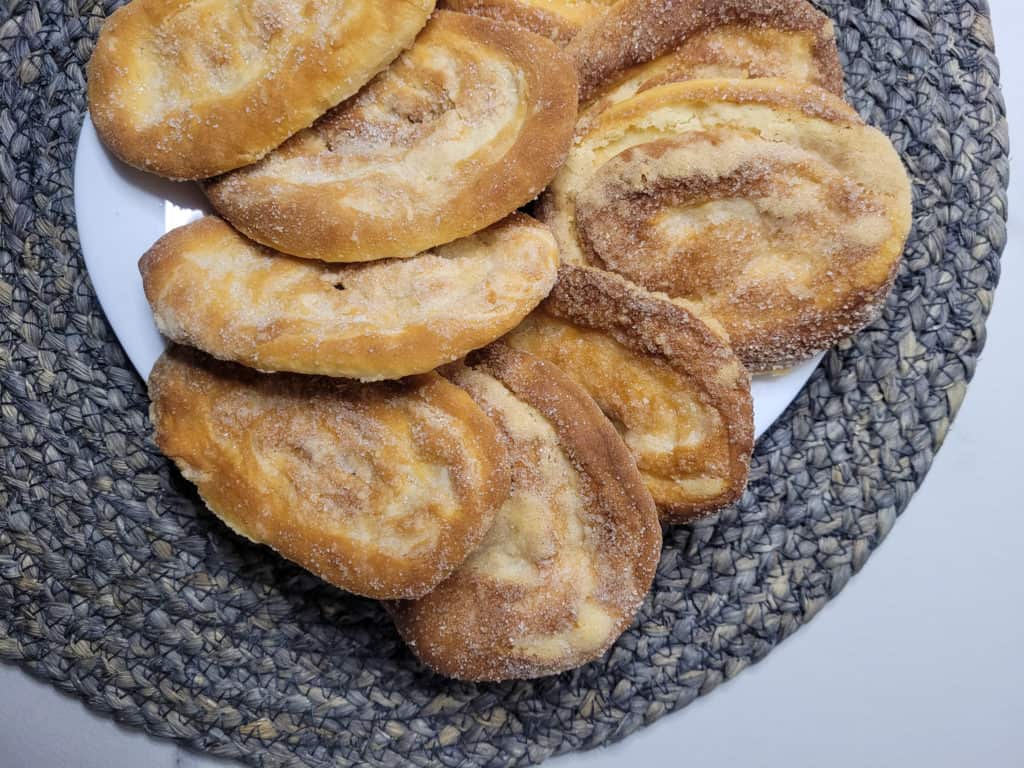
{"points": [[768, 204], [380, 489], [572, 551], [468, 125], [677, 393], [559, 20], [212, 288], [643, 43], [190, 89]]}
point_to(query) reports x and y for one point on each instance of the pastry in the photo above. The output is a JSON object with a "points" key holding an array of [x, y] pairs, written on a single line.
{"points": [[189, 89], [642, 43], [380, 489], [572, 551], [210, 287], [559, 20], [677, 393], [769, 205], [465, 127]]}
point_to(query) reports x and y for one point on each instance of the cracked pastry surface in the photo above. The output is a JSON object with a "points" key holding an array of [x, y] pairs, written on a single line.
{"points": [[572, 551], [194, 88], [462, 129], [211, 288], [675, 391], [380, 489], [768, 205]]}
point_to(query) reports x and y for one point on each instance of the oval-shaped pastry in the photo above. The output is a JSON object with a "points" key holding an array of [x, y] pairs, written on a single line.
{"points": [[572, 551], [558, 20], [675, 391], [189, 89], [769, 205], [639, 44], [211, 288], [380, 489], [469, 124]]}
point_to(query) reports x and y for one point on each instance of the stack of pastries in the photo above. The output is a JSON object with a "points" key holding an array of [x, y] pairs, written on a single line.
{"points": [[385, 370]]}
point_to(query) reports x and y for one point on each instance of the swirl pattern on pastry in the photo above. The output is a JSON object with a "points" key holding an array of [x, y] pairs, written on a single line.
{"points": [[469, 124], [639, 44], [558, 20], [211, 288], [380, 489], [572, 551], [192, 88], [675, 391], [767, 204]]}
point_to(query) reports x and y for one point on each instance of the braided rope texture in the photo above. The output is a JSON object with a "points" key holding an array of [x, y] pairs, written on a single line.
{"points": [[117, 586]]}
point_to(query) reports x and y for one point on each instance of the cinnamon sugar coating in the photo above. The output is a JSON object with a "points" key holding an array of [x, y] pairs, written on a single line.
{"points": [[676, 392], [768, 205], [642, 43], [469, 124], [558, 20], [210, 287], [191, 89], [572, 551], [380, 489]]}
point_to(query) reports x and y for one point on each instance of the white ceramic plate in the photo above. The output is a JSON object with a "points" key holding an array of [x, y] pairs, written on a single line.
{"points": [[121, 212]]}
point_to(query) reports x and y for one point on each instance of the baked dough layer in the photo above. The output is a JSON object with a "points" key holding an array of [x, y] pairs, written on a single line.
{"points": [[212, 288], [572, 551], [675, 391], [469, 124], [192, 88], [642, 43], [558, 20], [769, 205], [380, 489]]}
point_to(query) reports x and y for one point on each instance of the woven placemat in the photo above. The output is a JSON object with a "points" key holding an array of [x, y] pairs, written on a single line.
{"points": [[116, 585]]}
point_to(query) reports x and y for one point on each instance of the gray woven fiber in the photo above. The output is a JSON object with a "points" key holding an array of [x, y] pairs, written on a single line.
{"points": [[117, 586]]}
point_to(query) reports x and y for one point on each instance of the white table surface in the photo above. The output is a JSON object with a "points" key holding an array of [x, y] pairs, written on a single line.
{"points": [[884, 675]]}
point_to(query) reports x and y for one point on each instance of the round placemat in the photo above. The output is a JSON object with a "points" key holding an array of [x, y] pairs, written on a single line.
{"points": [[117, 586]]}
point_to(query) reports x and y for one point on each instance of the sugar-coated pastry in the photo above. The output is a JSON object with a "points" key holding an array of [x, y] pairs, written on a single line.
{"points": [[638, 44], [572, 551], [677, 393], [767, 204], [212, 288], [380, 489], [468, 125], [559, 20], [189, 89]]}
